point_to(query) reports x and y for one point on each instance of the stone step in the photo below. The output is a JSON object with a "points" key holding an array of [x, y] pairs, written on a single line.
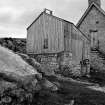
{"points": [[95, 52]]}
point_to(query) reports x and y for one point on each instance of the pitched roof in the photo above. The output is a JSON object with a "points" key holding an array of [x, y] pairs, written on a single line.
{"points": [[48, 15], [58, 19], [88, 10]]}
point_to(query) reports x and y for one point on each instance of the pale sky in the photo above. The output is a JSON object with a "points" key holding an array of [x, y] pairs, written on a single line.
{"points": [[17, 15]]}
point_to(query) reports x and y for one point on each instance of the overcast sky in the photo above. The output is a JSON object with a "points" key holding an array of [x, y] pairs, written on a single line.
{"points": [[17, 15]]}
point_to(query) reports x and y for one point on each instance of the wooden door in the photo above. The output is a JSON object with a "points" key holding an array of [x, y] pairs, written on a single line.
{"points": [[77, 50], [94, 39]]}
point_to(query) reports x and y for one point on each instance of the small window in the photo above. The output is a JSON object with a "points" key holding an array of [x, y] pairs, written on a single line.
{"points": [[97, 22], [45, 46], [93, 30]]}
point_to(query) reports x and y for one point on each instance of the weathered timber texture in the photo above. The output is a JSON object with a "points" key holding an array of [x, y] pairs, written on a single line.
{"points": [[46, 27], [34, 36], [61, 35]]}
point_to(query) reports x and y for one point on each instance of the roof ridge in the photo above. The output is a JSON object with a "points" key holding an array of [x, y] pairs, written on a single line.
{"points": [[48, 15]]}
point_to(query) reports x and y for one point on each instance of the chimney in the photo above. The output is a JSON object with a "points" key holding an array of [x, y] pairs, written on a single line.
{"points": [[97, 2], [48, 11]]}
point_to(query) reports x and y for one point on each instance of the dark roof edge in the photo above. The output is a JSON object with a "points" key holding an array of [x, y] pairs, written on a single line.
{"points": [[82, 33], [59, 18], [35, 20], [48, 15]]}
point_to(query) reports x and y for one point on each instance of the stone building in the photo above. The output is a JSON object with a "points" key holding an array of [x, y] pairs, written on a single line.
{"points": [[92, 24], [54, 41]]}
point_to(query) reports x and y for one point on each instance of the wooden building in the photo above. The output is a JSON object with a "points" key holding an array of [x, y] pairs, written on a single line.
{"points": [[51, 35]]}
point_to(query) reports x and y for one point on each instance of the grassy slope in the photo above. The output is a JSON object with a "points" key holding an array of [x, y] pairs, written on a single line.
{"points": [[82, 93]]}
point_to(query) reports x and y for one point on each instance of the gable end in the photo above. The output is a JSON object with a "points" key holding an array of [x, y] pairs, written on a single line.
{"points": [[87, 11]]}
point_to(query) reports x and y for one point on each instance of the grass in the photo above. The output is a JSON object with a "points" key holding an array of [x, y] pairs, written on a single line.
{"points": [[82, 93]]}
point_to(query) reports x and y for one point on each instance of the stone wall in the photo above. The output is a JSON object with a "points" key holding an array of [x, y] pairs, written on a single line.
{"points": [[65, 58], [48, 60], [60, 62], [68, 66]]}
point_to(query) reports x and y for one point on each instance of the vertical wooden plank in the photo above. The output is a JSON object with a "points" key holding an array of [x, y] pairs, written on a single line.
{"points": [[53, 28]]}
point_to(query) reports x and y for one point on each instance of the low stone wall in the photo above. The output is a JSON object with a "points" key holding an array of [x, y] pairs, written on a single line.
{"points": [[65, 58], [68, 66], [61, 61], [48, 60]]}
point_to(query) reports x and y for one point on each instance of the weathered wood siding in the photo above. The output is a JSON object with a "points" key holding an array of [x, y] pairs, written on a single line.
{"points": [[35, 34], [53, 29], [67, 28], [46, 27], [62, 36], [80, 45]]}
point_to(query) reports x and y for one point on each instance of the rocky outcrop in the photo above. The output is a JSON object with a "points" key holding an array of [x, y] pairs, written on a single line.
{"points": [[22, 84], [19, 81]]}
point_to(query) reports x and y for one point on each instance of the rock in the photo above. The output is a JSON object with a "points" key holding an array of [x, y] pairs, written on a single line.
{"points": [[16, 76], [6, 99], [71, 102], [13, 63], [14, 69], [41, 68], [45, 84]]}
